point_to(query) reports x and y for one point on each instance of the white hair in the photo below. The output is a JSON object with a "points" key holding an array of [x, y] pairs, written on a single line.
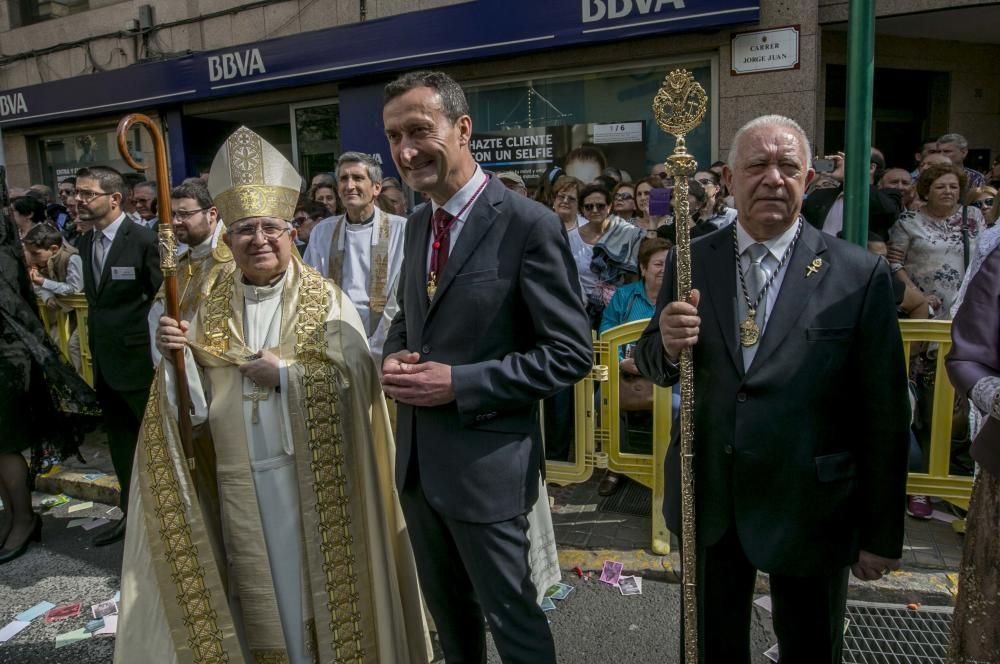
{"points": [[957, 139], [769, 121]]}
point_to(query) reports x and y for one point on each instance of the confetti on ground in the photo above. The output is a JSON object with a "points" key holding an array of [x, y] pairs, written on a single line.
{"points": [[63, 612], [79, 506], [34, 612], [69, 638], [11, 629], [95, 523]]}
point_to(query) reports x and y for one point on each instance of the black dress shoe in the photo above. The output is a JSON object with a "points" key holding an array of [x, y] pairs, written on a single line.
{"points": [[6, 555], [111, 534], [610, 484]]}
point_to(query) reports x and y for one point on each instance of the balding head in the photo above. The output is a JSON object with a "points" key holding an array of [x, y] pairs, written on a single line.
{"points": [[781, 121]]}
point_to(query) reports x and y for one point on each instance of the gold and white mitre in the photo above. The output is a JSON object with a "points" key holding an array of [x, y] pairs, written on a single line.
{"points": [[250, 178]]}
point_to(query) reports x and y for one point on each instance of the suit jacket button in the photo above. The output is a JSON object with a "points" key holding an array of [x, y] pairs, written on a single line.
{"points": [[728, 449], [425, 349], [741, 397]]}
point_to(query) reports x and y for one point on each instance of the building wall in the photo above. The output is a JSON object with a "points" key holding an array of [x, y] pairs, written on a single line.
{"points": [[832, 11], [209, 24], [974, 94]]}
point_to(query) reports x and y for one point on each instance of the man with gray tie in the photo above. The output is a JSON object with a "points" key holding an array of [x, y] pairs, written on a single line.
{"points": [[121, 274], [801, 414]]}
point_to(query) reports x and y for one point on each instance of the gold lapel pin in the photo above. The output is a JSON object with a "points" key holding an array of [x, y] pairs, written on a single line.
{"points": [[814, 267]]}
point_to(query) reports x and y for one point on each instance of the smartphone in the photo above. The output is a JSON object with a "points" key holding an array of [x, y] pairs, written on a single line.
{"points": [[659, 201], [823, 165]]}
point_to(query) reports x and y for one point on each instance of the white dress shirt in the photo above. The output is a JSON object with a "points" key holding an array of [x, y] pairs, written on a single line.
{"points": [[462, 202], [776, 248]]}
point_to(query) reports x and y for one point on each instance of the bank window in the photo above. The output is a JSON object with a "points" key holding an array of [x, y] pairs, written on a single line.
{"points": [[26, 12], [316, 130], [527, 126], [63, 154]]}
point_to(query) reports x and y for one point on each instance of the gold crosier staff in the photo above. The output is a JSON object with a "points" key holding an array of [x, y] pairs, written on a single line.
{"points": [[679, 107], [168, 262]]}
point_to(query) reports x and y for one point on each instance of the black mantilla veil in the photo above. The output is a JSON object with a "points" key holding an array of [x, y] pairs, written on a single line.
{"points": [[46, 405]]}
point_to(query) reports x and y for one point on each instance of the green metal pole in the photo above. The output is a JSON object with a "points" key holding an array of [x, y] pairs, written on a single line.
{"points": [[857, 142]]}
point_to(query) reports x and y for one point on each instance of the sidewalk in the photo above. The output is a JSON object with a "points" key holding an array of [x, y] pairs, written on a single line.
{"points": [[590, 529], [94, 480]]}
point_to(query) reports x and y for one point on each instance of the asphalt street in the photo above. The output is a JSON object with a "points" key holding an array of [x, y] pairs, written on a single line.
{"points": [[64, 568], [595, 623]]}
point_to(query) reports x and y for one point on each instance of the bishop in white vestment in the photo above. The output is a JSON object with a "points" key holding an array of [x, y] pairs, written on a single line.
{"points": [[286, 543]]}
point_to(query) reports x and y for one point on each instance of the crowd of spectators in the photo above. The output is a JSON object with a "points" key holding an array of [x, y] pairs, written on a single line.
{"points": [[925, 218]]}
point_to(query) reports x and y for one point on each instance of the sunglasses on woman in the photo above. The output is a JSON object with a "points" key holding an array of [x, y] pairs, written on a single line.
{"points": [[594, 207], [984, 204]]}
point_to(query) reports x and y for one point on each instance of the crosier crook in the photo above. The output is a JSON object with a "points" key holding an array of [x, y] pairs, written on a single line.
{"points": [[168, 262]]}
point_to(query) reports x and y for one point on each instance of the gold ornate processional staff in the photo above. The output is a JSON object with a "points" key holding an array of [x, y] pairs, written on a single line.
{"points": [[679, 107]]}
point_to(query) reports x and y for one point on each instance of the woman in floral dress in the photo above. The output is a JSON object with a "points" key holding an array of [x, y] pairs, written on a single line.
{"points": [[931, 249], [938, 240]]}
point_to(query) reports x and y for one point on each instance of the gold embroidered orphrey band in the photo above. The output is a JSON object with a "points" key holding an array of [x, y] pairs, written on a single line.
{"points": [[326, 443], [219, 304], [193, 597]]}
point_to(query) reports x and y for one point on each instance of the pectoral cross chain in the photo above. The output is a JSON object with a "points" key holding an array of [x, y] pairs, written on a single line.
{"points": [[256, 397]]}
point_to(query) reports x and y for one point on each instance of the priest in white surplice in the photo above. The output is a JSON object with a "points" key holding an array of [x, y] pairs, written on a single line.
{"points": [[204, 258], [287, 544], [361, 250]]}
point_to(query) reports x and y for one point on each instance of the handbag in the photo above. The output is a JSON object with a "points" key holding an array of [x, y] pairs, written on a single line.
{"points": [[634, 392]]}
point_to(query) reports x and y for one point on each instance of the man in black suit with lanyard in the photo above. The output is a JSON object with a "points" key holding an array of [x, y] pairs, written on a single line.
{"points": [[121, 274], [490, 322], [801, 411]]}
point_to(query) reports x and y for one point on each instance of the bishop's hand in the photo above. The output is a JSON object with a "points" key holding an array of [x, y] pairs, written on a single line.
{"points": [[171, 336], [265, 370]]}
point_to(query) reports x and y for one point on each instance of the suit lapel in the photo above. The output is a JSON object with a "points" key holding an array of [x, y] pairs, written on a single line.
{"points": [[720, 271], [797, 290], [478, 223], [86, 249], [114, 252]]}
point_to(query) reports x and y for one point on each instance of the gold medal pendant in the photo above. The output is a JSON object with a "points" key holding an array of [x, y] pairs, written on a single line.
{"points": [[432, 286], [749, 332]]}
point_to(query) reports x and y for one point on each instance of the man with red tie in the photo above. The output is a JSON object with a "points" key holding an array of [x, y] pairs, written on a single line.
{"points": [[490, 322]]}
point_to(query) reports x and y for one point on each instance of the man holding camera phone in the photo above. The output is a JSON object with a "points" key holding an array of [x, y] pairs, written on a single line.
{"points": [[824, 208]]}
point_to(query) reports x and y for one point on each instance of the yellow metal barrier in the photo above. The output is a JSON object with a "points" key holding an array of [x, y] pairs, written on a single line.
{"points": [[585, 456], [63, 322], [602, 444], [646, 469], [937, 481]]}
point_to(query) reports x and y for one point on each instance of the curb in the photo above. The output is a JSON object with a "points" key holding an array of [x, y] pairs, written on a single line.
{"points": [[73, 483], [931, 587]]}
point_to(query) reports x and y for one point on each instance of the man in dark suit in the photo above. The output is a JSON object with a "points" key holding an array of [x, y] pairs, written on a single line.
{"points": [[801, 413], [121, 274], [490, 322], [824, 209]]}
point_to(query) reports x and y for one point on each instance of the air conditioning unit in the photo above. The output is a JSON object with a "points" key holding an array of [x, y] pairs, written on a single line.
{"points": [[53, 8]]}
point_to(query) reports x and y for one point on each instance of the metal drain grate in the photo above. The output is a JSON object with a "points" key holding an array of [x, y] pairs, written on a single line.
{"points": [[632, 498], [890, 634]]}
